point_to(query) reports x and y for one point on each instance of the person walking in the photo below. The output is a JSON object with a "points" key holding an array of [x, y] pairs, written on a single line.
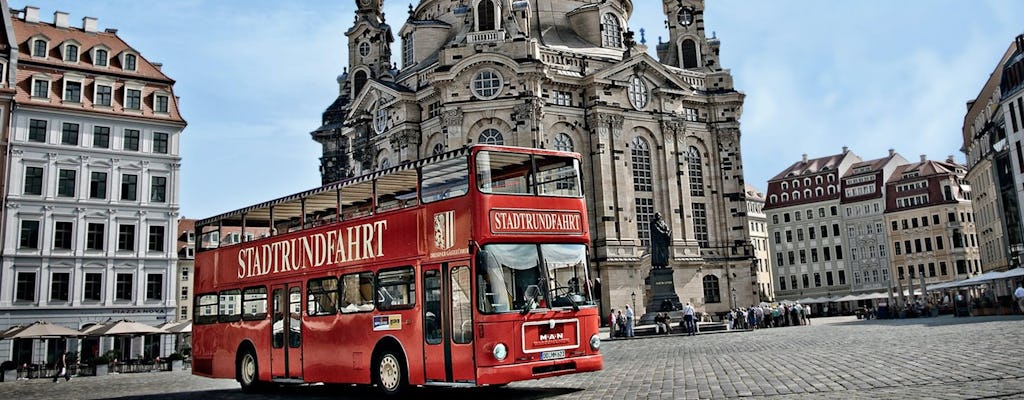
{"points": [[629, 321], [1019, 294], [688, 322], [612, 324], [61, 367]]}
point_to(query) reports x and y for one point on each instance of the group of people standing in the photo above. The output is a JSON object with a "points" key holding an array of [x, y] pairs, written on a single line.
{"points": [[766, 316], [621, 324]]}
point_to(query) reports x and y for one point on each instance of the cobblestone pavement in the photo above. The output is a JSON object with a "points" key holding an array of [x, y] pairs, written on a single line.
{"points": [[835, 358]]}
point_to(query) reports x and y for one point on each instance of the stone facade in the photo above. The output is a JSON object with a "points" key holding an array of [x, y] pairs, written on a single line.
{"points": [[656, 135], [758, 227], [1011, 102], [92, 197]]}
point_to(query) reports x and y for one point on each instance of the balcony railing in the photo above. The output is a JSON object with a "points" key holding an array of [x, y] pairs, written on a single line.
{"points": [[485, 36]]}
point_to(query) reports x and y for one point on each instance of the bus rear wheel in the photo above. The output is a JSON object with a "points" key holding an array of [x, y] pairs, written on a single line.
{"points": [[248, 372], [389, 375]]}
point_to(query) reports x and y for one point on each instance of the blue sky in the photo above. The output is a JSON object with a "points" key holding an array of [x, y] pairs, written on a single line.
{"points": [[255, 75]]}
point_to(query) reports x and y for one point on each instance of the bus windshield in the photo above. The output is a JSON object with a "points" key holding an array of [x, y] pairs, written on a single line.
{"points": [[516, 277], [526, 174]]}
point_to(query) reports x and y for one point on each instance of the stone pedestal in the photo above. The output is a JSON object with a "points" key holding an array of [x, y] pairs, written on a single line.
{"points": [[663, 291]]}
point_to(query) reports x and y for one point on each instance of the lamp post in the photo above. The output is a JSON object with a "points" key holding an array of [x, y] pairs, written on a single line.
{"points": [[633, 296], [733, 290]]}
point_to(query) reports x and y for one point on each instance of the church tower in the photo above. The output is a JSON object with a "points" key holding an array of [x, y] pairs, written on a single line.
{"points": [[369, 46], [688, 45]]}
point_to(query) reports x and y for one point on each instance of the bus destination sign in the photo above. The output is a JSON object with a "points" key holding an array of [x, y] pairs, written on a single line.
{"points": [[505, 221]]}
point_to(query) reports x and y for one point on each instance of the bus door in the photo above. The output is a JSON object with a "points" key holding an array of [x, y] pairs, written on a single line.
{"points": [[448, 323], [286, 332]]}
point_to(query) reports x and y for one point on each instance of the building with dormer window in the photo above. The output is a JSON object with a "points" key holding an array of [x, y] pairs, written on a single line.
{"points": [[91, 197], [657, 135]]}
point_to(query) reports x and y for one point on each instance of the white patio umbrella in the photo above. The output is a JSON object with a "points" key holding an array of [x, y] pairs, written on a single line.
{"points": [[40, 330], [126, 327]]}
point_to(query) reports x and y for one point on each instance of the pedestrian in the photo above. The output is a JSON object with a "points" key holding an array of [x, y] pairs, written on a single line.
{"points": [[620, 320], [61, 367], [728, 317], [688, 322], [629, 321], [611, 324], [1019, 294]]}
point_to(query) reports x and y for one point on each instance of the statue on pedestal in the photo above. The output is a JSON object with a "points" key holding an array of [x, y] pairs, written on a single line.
{"points": [[661, 236]]}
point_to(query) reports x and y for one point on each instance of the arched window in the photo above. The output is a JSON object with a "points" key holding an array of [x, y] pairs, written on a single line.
{"points": [[491, 136], [818, 192], [785, 197], [358, 81], [796, 195], [611, 31], [796, 183], [831, 178], [696, 172], [438, 149], [385, 163], [773, 199], [643, 193], [785, 186], [817, 179], [563, 142], [485, 16], [71, 53], [39, 48], [637, 91], [807, 181], [641, 153], [807, 193], [831, 190], [689, 49], [712, 292]]}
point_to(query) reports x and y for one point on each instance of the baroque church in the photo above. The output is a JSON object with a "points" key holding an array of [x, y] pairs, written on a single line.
{"points": [[657, 135]]}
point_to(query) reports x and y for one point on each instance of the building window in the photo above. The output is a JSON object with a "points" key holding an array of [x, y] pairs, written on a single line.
{"points": [[37, 130], [93, 287], [158, 192], [689, 50], [101, 137], [98, 185], [25, 287], [486, 20], [380, 119], [690, 114], [491, 136], [123, 287], [408, 49], [641, 161], [129, 186], [40, 88], [160, 143], [94, 236], [131, 139], [154, 287], [129, 62], [133, 99], [126, 237], [644, 208], [160, 103], [73, 92], [70, 53], [364, 49], [34, 180], [696, 171], [104, 95], [487, 84], [69, 134], [438, 149], [156, 238], [60, 286], [700, 224], [712, 292], [66, 183], [101, 58], [563, 98], [611, 31], [637, 91], [39, 48], [29, 235], [62, 232], [563, 142]]}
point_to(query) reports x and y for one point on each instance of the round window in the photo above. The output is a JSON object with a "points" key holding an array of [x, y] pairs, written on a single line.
{"points": [[487, 84], [364, 49]]}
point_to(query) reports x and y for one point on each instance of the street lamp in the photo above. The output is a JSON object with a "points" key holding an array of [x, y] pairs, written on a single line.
{"points": [[733, 290], [633, 296]]}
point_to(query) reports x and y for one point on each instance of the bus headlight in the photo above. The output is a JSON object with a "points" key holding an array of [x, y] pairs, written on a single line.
{"points": [[500, 351], [595, 342]]}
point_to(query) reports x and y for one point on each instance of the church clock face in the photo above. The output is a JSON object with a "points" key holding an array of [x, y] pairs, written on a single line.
{"points": [[685, 17]]}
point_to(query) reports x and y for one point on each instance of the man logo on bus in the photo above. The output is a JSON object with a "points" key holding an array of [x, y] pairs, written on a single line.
{"points": [[444, 230]]}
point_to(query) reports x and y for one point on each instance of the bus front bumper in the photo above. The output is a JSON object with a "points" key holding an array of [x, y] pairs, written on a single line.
{"points": [[502, 374]]}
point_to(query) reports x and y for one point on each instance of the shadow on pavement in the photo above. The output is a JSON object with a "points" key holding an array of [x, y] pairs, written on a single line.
{"points": [[366, 392]]}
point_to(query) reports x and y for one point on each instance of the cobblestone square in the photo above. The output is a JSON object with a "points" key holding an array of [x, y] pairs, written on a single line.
{"points": [[834, 358]]}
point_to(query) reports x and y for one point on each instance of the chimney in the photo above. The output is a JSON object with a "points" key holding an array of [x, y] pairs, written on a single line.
{"points": [[89, 24], [949, 159], [159, 66], [111, 31], [892, 152], [805, 157], [924, 157], [845, 149], [60, 19], [31, 14]]}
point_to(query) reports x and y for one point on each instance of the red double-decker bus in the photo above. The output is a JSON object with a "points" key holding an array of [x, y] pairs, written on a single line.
{"points": [[466, 268]]}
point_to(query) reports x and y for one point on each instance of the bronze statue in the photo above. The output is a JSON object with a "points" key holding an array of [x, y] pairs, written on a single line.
{"points": [[661, 236]]}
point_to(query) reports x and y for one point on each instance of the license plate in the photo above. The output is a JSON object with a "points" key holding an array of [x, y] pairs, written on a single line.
{"points": [[552, 355]]}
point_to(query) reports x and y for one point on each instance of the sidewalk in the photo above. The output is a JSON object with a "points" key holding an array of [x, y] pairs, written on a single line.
{"points": [[606, 332]]}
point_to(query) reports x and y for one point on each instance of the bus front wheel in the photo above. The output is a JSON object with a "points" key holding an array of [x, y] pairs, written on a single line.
{"points": [[248, 372], [389, 374]]}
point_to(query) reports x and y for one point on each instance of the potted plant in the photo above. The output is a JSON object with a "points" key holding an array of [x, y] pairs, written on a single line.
{"points": [[101, 364], [175, 359]]}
